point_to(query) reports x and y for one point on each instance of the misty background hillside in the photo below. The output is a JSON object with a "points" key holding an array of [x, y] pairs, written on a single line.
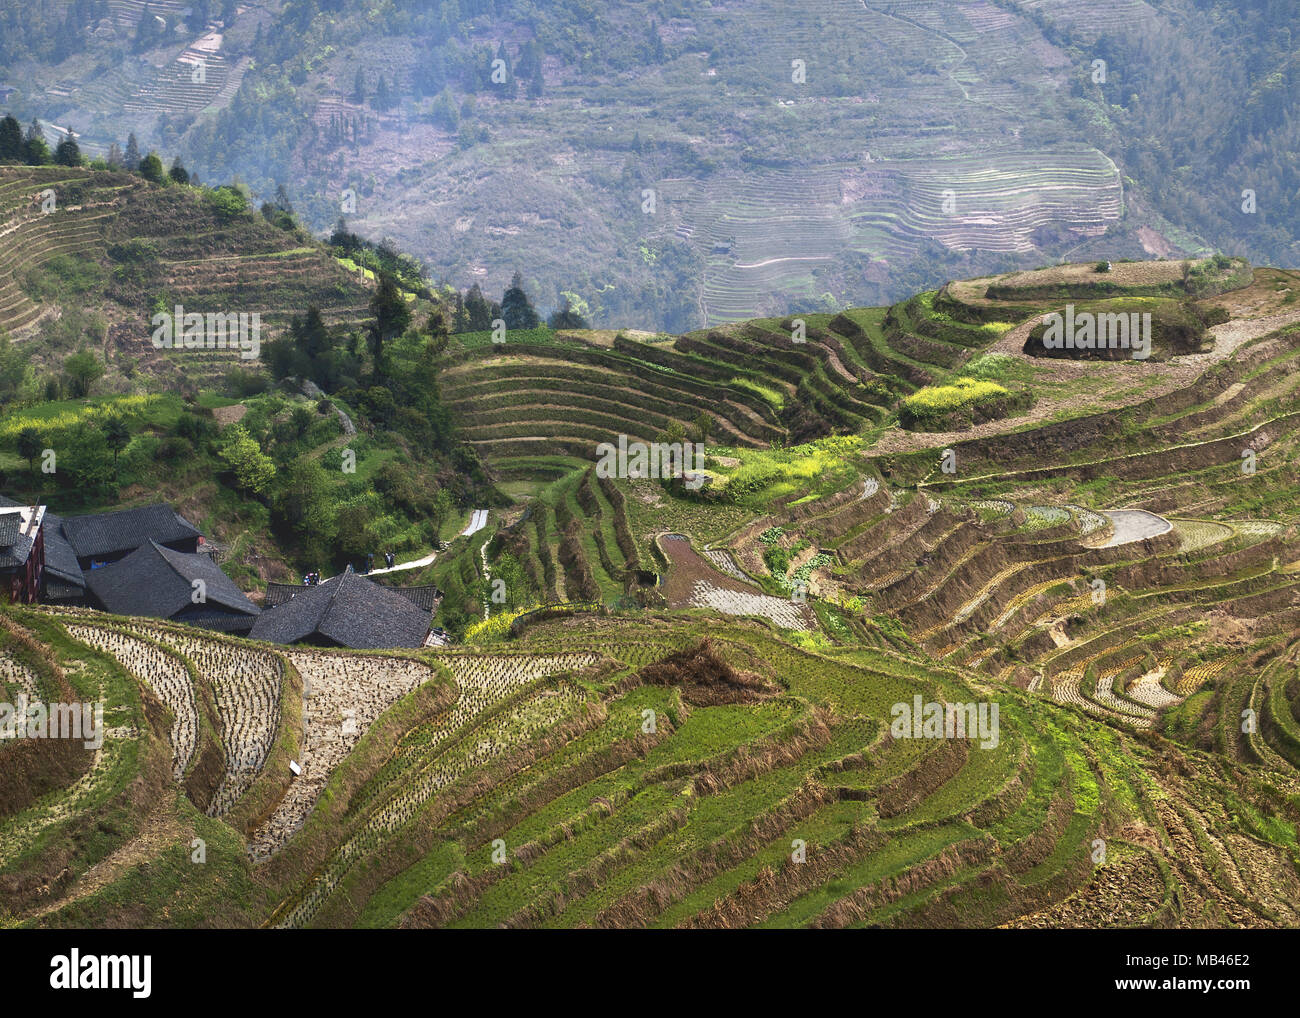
{"points": [[671, 164]]}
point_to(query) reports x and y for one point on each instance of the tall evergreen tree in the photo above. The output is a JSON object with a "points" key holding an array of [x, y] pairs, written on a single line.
{"points": [[509, 87], [439, 331], [67, 152], [567, 318], [516, 308], [654, 43], [131, 160], [392, 317], [312, 335], [11, 138], [478, 311], [35, 151]]}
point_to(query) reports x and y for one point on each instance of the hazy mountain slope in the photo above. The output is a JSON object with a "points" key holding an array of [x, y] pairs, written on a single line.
{"points": [[919, 131]]}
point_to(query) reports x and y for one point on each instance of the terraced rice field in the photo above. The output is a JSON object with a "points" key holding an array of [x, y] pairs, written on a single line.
{"points": [[164, 672], [247, 685], [93, 213], [343, 696], [670, 743]]}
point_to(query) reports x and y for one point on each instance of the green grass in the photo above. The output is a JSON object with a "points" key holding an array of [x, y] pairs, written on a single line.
{"points": [[775, 397], [819, 468]]}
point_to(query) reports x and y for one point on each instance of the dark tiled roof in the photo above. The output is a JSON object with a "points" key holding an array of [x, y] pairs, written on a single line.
{"points": [[222, 622], [15, 556], [425, 597], [158, 582], [60, 559], [103, 534], [278, 593], [15, 546], [349, 610], [57, 590]]}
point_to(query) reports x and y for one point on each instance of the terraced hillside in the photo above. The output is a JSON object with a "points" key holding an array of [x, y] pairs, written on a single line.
{"points": [[817, 156], [117, 248], [765, 233], [1040, 670], [655, 772]]}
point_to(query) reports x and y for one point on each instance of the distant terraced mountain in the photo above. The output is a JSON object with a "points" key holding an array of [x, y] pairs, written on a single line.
{"points": [[699, 164], [110, 249]]}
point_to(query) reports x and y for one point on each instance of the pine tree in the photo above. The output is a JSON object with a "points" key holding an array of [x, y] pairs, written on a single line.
{"points": [[11, 138], [459, 315], [311, 334], [655, 44], [143, 28], [392, 317], [516, 308], [438, 330], [35, 151], [509, 87], [67, 152], [132, 158], [477, 310]]}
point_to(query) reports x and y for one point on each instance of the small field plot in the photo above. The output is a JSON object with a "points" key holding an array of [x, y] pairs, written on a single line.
{"points": [[693, 582]]}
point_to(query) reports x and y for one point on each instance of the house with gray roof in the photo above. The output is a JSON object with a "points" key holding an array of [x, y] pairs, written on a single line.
{"points": [[22, 551], [72, 545], [159, 582], [106, 537], [63, 582], [347, 610]]}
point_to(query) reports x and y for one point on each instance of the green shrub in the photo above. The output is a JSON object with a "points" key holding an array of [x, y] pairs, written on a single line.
{"points": [[227, 202]]}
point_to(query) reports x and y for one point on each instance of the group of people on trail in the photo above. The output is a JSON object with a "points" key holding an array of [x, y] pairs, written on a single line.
{"points": [[312, 579], [389, 559]]}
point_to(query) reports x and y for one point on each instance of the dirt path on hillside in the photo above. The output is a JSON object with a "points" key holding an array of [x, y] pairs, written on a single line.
{"points": [[1174, 374], [159, 830]]}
